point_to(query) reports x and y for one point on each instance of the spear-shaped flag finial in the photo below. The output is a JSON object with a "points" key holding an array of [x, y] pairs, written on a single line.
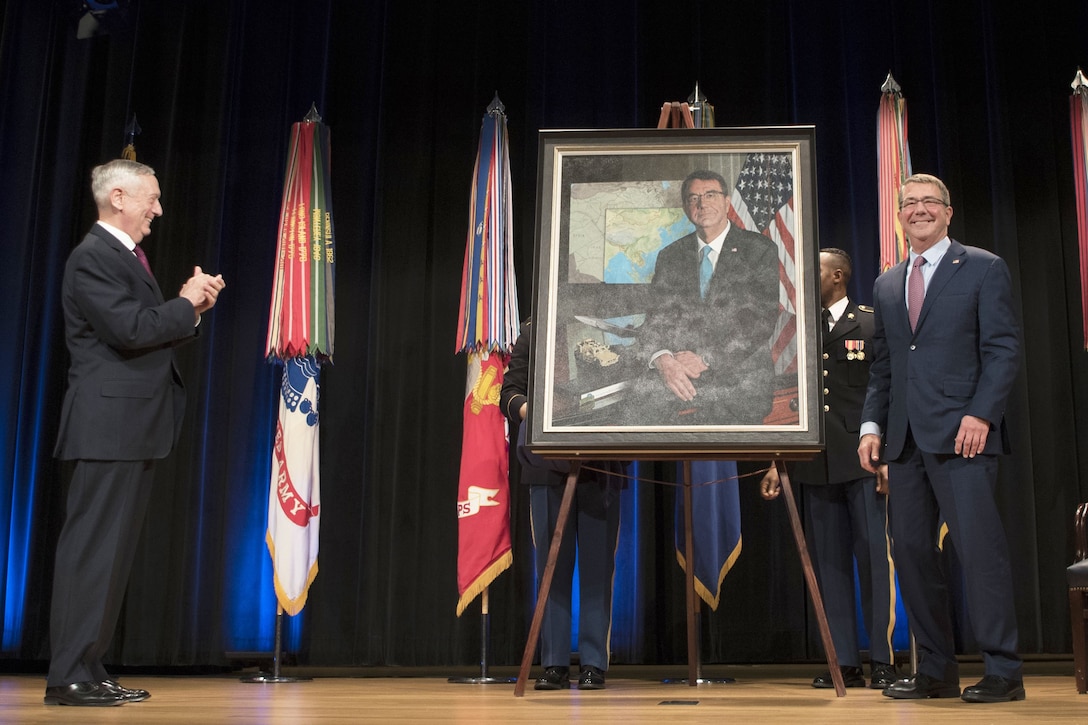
{"points": [[890, 86], [1080, 83]]}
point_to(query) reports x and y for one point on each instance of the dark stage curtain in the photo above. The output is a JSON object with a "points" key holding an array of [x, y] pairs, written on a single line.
{"points": [[215, 87]]}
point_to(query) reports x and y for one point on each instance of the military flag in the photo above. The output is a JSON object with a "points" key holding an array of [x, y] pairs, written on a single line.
{"points": [[715, 507], [300, 335], [893, 168], [487, 329], [1078, 118]]}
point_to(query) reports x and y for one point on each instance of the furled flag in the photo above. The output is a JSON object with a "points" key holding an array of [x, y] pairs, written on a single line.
{"points": [[487, 328], [294, 497], [762, 201], [893, 168], [132, 129], [716, 536], [300, 334], [1078, 120]]}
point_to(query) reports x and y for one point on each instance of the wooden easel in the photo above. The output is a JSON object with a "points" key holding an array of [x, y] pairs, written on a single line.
{"points": [[675, 114], [689, 575]]}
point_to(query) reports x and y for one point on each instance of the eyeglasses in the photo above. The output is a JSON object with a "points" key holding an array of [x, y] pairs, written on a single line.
{"points": [[930, 202], [707, 196]]}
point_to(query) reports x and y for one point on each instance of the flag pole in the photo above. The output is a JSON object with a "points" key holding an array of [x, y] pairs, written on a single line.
{"points": [[276, 677], [485, 645]]}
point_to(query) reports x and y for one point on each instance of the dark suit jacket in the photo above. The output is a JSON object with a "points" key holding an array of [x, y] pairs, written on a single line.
{"points": [[536, 470], [125, 398], [845, 380], [515, 387], [731, 328], [961, 360]]}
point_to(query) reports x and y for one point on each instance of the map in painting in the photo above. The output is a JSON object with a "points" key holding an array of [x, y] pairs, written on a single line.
{"points": [[618, 228]]}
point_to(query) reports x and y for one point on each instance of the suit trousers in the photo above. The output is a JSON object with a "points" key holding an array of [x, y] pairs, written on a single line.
{"points": [[924, 489], [844, 522], [107, 503], [591, 534]]}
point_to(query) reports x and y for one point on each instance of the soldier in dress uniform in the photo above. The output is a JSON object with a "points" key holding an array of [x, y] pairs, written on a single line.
{"points": [[845, 506]]}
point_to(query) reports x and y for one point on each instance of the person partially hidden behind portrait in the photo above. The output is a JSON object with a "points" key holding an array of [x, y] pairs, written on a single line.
{"points": [[589, 540], [711, 312]]}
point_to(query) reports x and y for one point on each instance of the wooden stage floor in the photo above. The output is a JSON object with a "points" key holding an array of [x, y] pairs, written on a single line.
{"points": [[764, 694]]}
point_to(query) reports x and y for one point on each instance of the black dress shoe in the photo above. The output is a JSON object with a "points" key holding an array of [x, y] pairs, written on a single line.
{"points": [[851, 677], [87, 694], [882, 675], [920, 687], [993, 688], [555, 678], [126, 694], [592, 678]]}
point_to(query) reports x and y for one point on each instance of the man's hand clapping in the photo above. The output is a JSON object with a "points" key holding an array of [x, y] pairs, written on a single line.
{"points": [[202, 290]]}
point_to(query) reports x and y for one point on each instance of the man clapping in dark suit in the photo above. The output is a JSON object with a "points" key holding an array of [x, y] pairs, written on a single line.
{"points": [[946, 349], [122, 411]]}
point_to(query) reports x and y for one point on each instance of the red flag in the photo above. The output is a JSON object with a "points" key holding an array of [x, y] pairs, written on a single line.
{"points": [[487, 327], [893, 168], [1078, 118], [483, 490]]}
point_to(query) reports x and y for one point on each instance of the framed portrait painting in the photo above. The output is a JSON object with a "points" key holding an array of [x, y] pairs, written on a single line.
{"points": [[676, 294]]}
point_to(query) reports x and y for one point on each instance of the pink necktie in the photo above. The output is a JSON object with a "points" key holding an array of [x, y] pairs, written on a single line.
{"points": [[916, 291], [143, 260]]}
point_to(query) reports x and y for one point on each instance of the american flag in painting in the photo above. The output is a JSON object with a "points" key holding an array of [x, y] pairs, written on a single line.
{"points": [[763, 202]]}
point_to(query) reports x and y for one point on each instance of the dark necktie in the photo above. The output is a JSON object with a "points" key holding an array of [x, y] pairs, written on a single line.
{"points": [[828, 324], [916, 291], [143, 260]]}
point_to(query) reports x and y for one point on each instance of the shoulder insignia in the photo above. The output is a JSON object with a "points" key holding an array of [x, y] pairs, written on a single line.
{"points": [[865, 308]]}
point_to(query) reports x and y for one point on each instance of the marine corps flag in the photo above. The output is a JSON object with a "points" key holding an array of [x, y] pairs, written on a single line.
{"points": [[487, 328], [300, 334]]}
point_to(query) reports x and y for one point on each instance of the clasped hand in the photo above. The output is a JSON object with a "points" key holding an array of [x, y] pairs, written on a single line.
{"points": [[202, 289], [678, 370]]}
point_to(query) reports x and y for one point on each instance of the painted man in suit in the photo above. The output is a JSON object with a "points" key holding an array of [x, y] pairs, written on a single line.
{"points": [[845, 506], [713, 306], [935, 411], [590, 535], [122, 411]]}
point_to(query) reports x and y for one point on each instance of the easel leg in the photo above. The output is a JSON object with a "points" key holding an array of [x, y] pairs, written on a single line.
{"points": [[689, 582], [546, 579], [810, 577]]}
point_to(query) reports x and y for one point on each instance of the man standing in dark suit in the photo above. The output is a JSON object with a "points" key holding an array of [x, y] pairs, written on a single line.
{"points": [[122, 411], [845, 506], [713, 304], [590, 534], [946, 349]]}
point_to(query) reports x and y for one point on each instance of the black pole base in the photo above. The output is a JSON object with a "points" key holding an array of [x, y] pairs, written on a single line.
{"points": [[266, 678], [482, 680], [701, 681]]}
